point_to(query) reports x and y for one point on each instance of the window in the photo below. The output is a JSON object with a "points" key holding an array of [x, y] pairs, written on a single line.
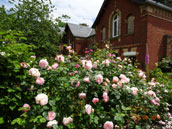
{"points": [[130, 25], [115, 25], [103, 33]]}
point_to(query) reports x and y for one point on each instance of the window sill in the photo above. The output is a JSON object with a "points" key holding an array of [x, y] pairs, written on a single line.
{"points": [[114, 37], [129, 34]]}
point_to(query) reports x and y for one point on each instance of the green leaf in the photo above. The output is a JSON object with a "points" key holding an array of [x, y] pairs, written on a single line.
{"points": [[1, 120], [138, 127], [11, 90]]}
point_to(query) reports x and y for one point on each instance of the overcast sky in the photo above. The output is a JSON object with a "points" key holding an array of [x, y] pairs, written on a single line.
{"points": [[80, 11]]}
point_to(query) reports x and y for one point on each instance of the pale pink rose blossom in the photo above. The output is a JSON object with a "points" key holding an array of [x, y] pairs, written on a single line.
{"points": [[108, 125], [23, 65], [162, 122], [41, 99], [34, 72], [154, 102], [88, 65], [169, 115], [95, 65], [86, 79], [99, 78], [33, 56], [107, 80], [54, 66], [166, 91], [68, 47], [105, 84], [78, 84], [69, 56], [118, 58], [40, 81], [60, 58], [71, 51], [75, 72], [67, 120], [152, 84], [49, 68], [88, 109], [95, 100], [122, 76], [167, 109], [26, 107], [51, 123], [43, 63], [114, 86], [115, 79], [151, 93], [134, 90], [82, 95], [51, 115], [105, 97], [157, 99], [106, 62], [83, 63], [119, 84], [120, 66]]}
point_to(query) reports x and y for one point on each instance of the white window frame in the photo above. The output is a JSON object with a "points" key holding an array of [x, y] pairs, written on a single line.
{"points": [[117, 25]]}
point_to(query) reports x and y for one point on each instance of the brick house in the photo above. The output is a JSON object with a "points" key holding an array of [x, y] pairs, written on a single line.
{"points": [[134, 28], [79, 37]]}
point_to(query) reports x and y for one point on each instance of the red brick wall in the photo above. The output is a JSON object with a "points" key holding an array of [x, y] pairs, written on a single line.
{"points": [[139, 37], [157, 28]]}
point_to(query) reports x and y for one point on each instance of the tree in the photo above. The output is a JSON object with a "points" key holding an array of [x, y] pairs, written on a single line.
{"points": [[33, 18]]}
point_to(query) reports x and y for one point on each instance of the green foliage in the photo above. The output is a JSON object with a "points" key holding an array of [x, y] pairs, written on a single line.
{"points": [[124, 108], [165, 65], [33, 18]]}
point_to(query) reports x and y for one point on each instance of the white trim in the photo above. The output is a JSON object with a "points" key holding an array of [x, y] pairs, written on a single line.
{"points": [[129, 53]]}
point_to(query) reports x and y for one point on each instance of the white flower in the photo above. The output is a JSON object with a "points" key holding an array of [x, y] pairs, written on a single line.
{"points": [[67, 120], [34, 72], [51, 123], [41, 99]]}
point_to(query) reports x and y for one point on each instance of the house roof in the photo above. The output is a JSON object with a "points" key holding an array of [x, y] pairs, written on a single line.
{"points": [[151, 2], [80, 30]]}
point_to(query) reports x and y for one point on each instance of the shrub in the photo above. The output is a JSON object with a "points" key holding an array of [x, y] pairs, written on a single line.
{"points": [[101, 91]]}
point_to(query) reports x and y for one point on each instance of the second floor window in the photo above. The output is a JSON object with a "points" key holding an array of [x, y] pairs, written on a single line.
{"points": [[115, 25], [130, 25]]}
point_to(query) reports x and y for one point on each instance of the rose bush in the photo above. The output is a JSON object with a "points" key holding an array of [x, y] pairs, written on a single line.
{"points": [[101, 91]]}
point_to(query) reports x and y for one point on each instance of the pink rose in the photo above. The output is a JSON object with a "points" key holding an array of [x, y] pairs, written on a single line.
{"points": [[77, 66], [157, 99], [151, 93], [33, 56], [71, 51], [23, 65], [169, 115], [99, 78], [122, 76], [60, 58], [86, 79], [83, 63], [40, 81], [43, 63], [78, 84], [82, 95], [134, 90], [115, 79], [108, 125], [51, 115], [114, 86], [34, 72], [106, 62], [95, 65], [54, 66], [88, 109], [67, 120], [105, 97], [95, 100], [41, 99], [51, 123], [68, 47], [26, 107], [88, 65]]}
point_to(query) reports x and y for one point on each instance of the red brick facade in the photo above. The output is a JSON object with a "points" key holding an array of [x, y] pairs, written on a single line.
{"points": [[78, 43], [151, 23]]}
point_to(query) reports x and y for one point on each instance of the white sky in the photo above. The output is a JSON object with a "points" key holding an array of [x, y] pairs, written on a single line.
{"points": [[80, 11]]}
